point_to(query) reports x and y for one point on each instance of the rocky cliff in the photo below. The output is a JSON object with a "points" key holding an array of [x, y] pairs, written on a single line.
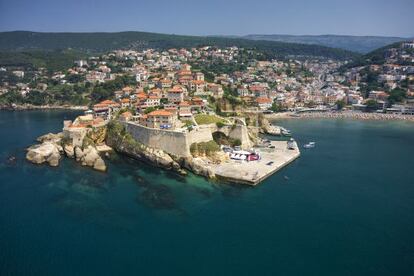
{"points": [[121, 141]]}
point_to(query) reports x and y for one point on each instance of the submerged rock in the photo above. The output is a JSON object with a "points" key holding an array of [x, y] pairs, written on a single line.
{"points": [[11, 160], [158, 197]]}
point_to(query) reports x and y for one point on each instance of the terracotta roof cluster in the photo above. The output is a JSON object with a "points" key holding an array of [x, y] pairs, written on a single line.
{"points": [[257, 88], [159, 112], [198, 82], [263, 100], [106, 104], [184, 72], [175, 89]]}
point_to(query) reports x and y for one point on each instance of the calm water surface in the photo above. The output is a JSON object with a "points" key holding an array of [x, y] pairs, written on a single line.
{"points": [[347, 208]]}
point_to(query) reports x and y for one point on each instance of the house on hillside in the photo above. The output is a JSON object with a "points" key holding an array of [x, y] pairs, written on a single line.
{"points": [[162, 119]]}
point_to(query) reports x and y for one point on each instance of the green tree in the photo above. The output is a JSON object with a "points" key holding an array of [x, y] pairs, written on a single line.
{"points": [[397, 95], [340, 104], [276, 107], [371, 105], [220, 124], [149, 109]]}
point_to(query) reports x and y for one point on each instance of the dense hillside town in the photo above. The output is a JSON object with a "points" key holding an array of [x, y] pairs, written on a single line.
{"points": [[385, 79], [183, 82]]}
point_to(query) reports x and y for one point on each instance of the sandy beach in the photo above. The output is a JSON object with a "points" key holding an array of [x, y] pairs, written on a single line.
{"points": [[341, 115]]}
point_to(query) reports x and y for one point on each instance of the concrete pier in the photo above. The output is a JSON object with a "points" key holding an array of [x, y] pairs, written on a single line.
{"points": [[254, 172]]}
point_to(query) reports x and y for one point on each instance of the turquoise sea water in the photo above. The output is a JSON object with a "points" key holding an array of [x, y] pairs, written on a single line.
{"points": [[347, 208]]}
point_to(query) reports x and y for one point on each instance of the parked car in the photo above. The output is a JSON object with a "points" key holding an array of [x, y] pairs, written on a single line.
{"points": [[227, 149]]}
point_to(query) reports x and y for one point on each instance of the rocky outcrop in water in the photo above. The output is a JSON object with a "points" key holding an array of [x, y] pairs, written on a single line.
{"points": [[51, 137], [45, 152], [69, 150], [49, 151], [52, 147], [90, 157], [198, 166]]}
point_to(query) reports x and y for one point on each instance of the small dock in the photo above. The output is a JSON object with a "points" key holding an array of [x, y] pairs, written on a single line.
{"points": [[254, 172]]}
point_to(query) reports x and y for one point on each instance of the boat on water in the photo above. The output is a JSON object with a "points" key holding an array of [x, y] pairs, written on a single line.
{"points": [[285, 132], [309, 145]]}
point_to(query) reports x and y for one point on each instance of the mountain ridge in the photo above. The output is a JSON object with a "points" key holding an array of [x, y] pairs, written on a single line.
{"points": [[360, 44]]}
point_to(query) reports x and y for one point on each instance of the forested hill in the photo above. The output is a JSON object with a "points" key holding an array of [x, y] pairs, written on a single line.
{"points": [[361, 44], [102, 42]]}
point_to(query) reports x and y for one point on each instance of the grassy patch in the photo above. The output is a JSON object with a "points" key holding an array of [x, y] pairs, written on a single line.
{"points": [[203, 119]]}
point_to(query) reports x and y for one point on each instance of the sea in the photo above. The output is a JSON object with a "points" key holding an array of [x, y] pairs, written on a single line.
{"points": [[345, 207]]}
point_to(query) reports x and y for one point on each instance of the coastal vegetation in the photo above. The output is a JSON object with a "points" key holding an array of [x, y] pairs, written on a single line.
{"points": [[117, 135], [68, 94], [60, 95], [397, 95], [222, 139], [204, 148], [52, 60], [106, 90]]}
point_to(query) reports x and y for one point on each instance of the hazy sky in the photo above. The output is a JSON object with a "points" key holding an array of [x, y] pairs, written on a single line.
{"points": [[352, 17]]}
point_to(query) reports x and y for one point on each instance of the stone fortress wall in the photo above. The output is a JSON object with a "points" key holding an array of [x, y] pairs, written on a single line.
{"points": [[173, 142], [178, 142]]}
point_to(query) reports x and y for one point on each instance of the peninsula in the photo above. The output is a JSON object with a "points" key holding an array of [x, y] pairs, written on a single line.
{"points": [[227, 150]]}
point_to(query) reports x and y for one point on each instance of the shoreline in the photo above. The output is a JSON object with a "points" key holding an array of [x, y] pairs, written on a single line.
{"points": [[42, 107], [283, 115], [342, 115]]}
